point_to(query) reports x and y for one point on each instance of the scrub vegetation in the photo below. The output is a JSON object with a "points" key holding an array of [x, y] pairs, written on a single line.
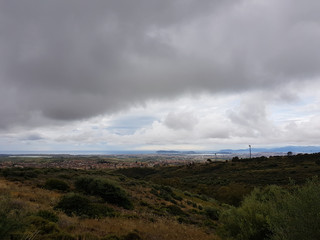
{"points": [[273, 198]]}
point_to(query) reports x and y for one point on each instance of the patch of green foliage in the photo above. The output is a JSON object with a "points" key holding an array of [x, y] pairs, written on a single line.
{"points": [[80, 205], [175, 210], [165, 192], [275, 213], [230, 181], [11, 218], [20, 173], [105, 189], [56, 184], [138, 172], [212, 213]]}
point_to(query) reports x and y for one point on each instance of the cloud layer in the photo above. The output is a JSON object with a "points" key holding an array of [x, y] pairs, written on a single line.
{"points": [[64, 61], [77, 59]]}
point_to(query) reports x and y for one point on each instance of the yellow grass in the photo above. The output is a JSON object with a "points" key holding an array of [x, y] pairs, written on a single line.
{"points": [[159, 228]]}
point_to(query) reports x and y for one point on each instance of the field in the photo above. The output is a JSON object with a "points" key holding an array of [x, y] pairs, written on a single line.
{"points": [[189, 201]]}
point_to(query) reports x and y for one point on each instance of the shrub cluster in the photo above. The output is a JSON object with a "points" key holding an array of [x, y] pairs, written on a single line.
{"points": [[80, 205], [10, 219], [56, 184], [165, 192], [19, 173], [276, 214], [105, 189]]}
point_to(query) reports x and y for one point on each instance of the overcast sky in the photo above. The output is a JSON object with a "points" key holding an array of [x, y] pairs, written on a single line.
{"points": [[158, 74]]}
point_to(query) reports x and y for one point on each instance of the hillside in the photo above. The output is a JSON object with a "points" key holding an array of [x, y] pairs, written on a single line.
{"points": [[194, 201], [230, 181], [55, 204]]}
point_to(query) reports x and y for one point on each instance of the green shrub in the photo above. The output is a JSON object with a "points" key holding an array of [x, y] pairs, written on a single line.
{"points": [[107, 190], [98, 210], [275, 213], [298, 216], [18, 173], [81, 206], [74, 204], [56, 184], [175, 210], [187, 194], [41, 225], [212, 213], [250, 220], [11, 218]]}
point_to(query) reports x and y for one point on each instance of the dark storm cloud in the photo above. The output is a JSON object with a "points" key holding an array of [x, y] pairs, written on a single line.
{"points": [[67, 60]]}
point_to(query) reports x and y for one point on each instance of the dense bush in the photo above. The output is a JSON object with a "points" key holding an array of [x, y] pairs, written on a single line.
{"points": [[212, 213], [275, 213], [80, 205], [56, 184], [232, 193], [249, 221], [298, 216], [105, 189], [74, 204], [18, 173], [41, 225]]}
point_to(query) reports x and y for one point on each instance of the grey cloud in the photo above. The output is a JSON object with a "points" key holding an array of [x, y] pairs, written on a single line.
{"points": [[68, 60], [222, 133], [33, 137], [181, 120]]}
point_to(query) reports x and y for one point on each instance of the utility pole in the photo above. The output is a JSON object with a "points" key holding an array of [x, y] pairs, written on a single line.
{"points": [[250, 151]]}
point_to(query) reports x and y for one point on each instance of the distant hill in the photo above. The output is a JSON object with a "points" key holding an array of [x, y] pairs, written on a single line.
{"points": [[294, 149]]}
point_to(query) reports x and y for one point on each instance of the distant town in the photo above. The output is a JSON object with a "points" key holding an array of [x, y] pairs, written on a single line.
{"points": [[117, 161]]}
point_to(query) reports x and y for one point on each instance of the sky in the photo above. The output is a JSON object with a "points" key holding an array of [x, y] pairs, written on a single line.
{"points": [[158, 75]]}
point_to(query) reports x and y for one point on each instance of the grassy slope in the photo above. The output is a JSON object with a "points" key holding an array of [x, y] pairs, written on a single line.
{"points": [[160, 212], [229, 181], [151, 218]]}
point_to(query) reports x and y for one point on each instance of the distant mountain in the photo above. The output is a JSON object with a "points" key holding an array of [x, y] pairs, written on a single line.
{"points": [[294, 149]]}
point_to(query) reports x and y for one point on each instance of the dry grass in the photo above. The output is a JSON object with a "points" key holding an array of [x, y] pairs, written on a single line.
{"points": [[149, 227], [34, 198], [162, 229]]}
